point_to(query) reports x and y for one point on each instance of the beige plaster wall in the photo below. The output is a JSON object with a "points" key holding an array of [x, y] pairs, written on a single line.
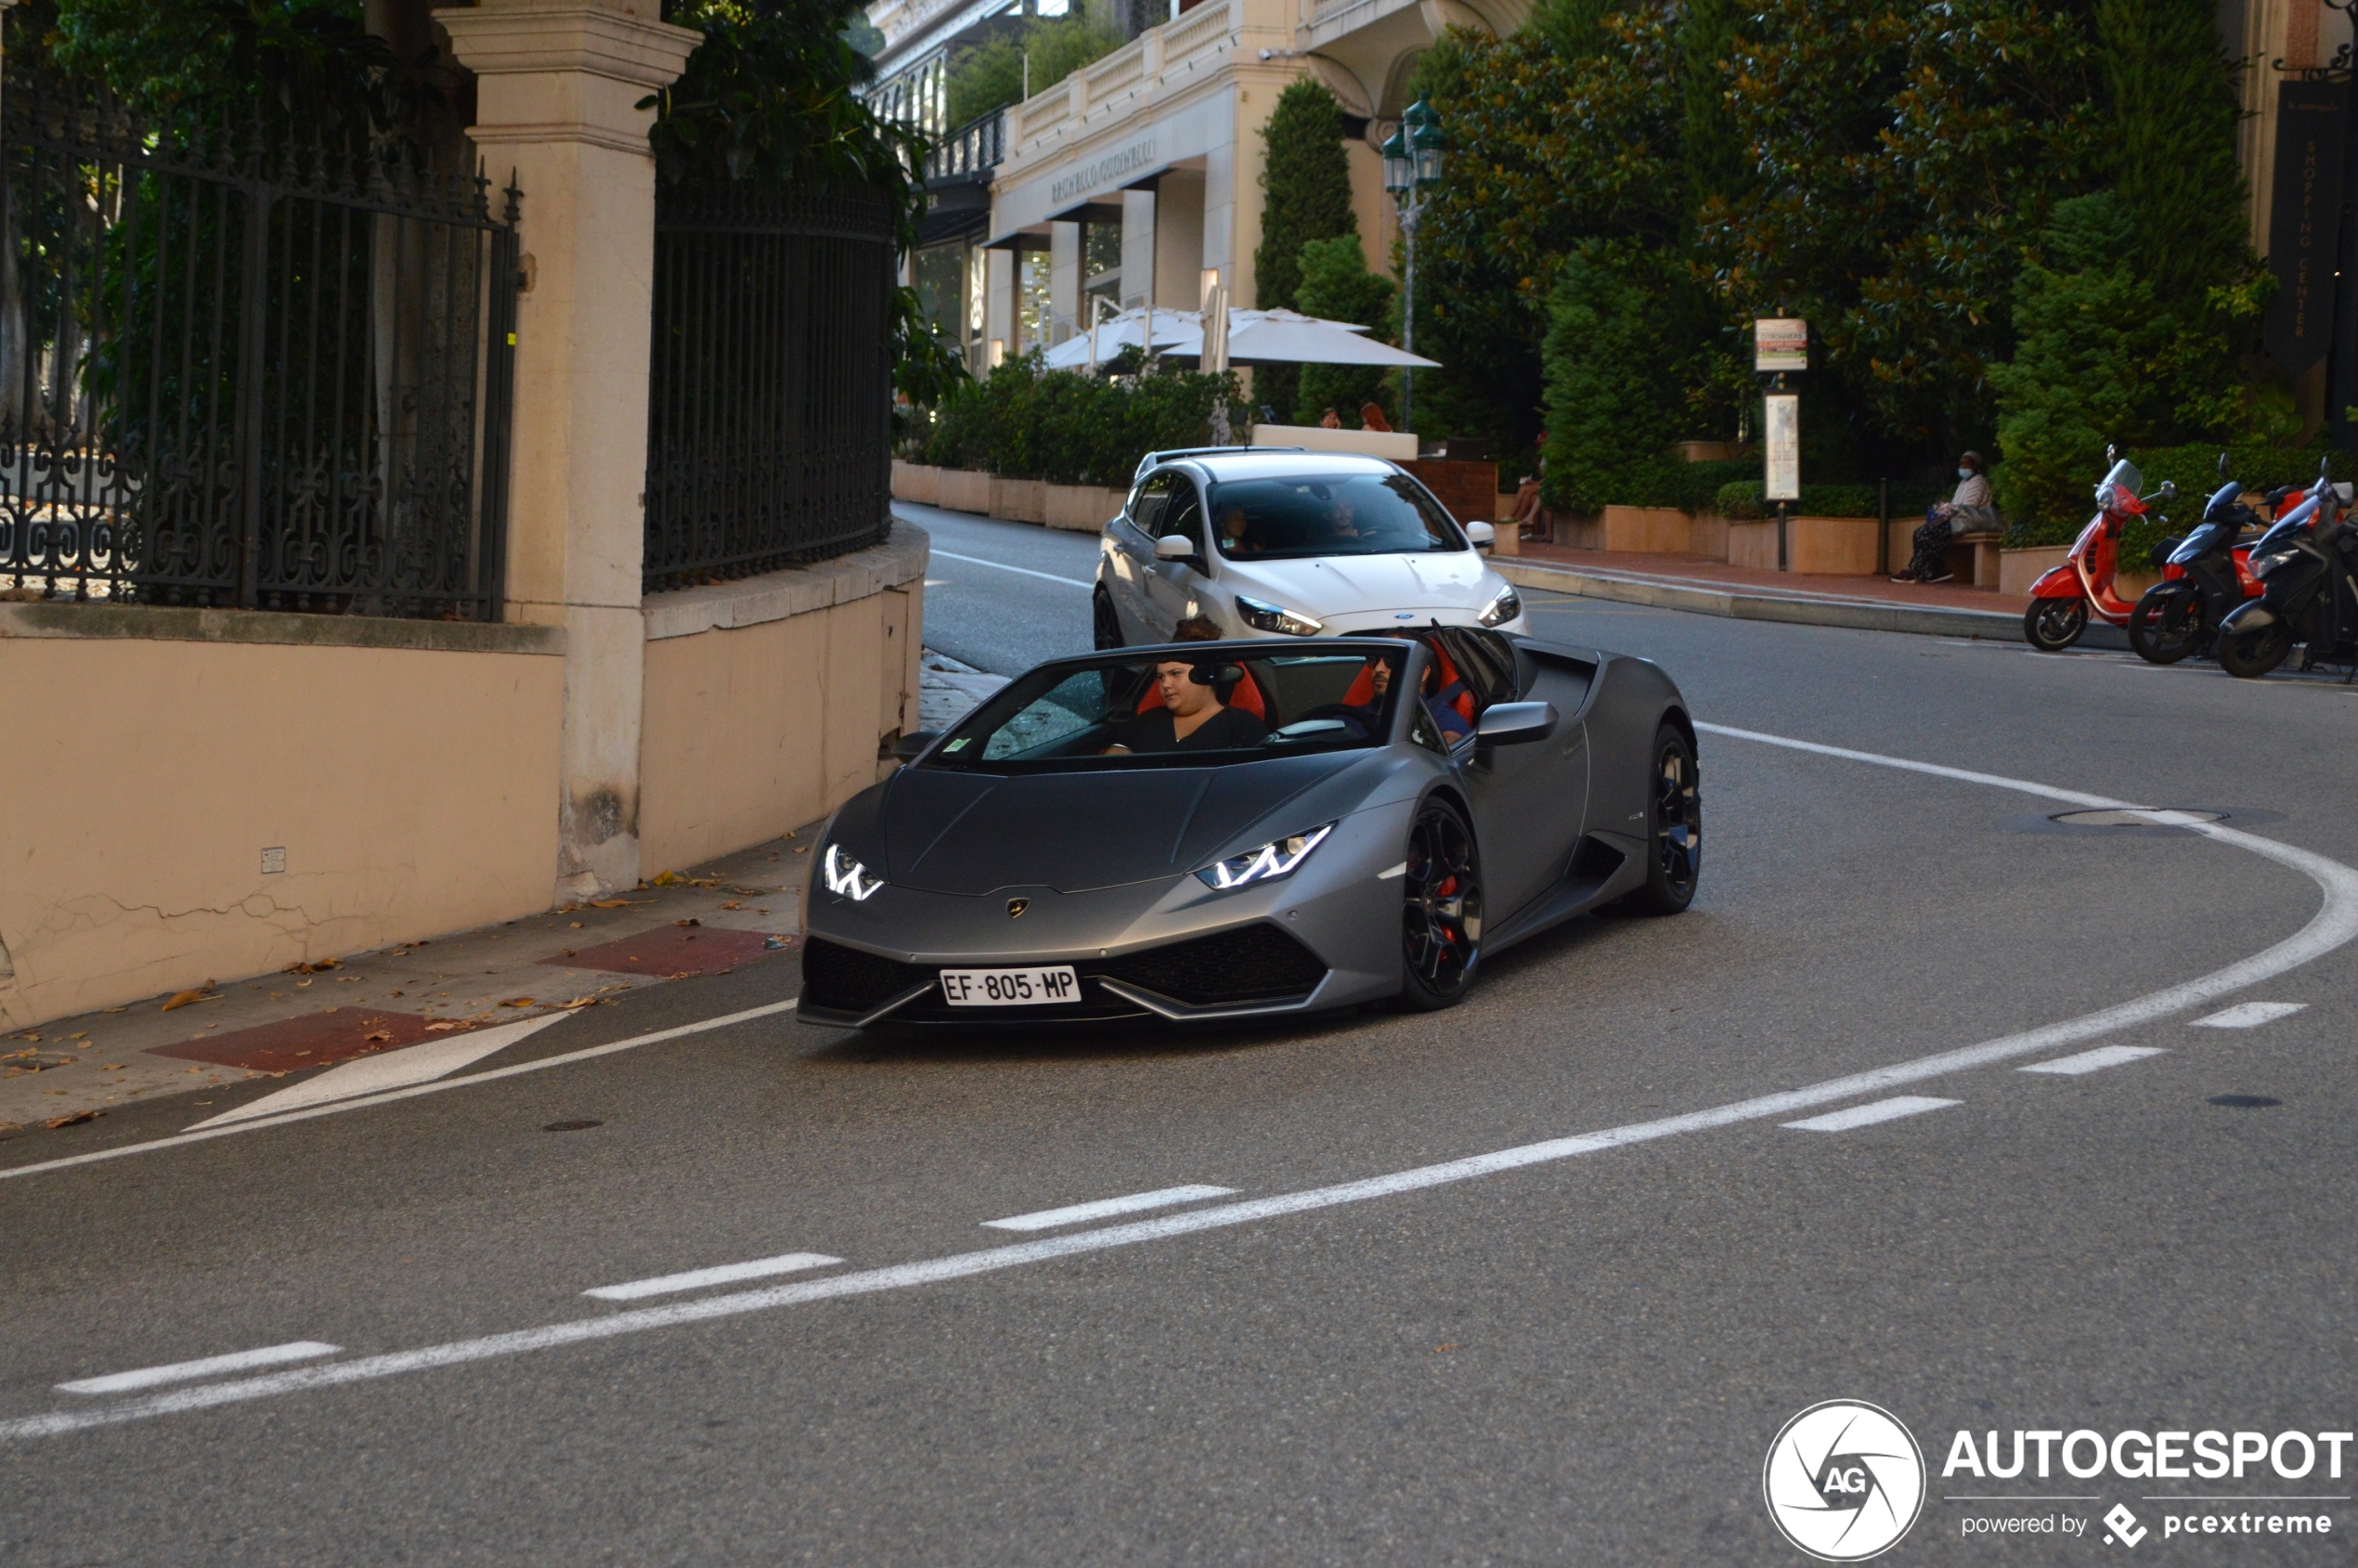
{"points": [[408, 788], [773, 711]]}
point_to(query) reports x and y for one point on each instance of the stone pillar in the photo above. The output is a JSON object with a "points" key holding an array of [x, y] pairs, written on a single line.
{"points": [[1179, 240], [1064, 280], [1137, 248], [556, 86]]}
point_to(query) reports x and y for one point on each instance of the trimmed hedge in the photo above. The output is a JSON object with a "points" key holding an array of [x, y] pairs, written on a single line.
{"points": [[1068, 428], [1742, 500]]}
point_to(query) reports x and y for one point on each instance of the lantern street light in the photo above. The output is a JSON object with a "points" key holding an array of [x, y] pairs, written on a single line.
{"points": [[1412, 158]]}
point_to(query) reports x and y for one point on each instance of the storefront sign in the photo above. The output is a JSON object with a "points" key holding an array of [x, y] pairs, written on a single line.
{"points": [[1112, 166], [2304, 223]]}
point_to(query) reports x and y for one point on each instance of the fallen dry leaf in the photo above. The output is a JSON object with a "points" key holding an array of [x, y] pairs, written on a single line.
{"points": [[802, 848], [196, 1070], [114, 1009], [580, 1001], [440, 1024], [179, 999], [732, 904], [57, 1121], [110, 1067], [300, 984], [518, 1001], [609, 903], [83, 1036], [320, 968], [687, 923], [386, 1035], [334, 1009]]}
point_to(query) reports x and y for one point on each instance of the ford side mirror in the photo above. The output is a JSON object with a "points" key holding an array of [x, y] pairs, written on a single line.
{"points": [[1175, 547], [909, 748], [1480, 534], [1514, 723]]}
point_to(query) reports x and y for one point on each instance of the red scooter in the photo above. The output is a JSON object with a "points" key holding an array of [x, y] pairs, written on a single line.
{"points": [[2061, 599]]}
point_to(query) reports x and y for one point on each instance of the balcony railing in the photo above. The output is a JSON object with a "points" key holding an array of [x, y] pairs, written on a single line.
{"points": [[971, 151]]}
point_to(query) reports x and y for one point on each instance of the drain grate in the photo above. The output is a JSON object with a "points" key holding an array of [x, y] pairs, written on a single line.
{"points": [[2110, 818]]}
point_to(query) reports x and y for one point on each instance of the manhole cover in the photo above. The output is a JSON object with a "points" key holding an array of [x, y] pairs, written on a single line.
{"points": [[2110, 818], [2244, 1102]]}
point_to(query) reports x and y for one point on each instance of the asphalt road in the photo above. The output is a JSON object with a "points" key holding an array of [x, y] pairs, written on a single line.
{"points": [[1579, 1354]]}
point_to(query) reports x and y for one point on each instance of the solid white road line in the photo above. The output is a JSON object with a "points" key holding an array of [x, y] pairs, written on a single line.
{"points": [[1868, 1115], [1019, 571], [212, 1365], [422, 1063], [567, 1060], [725, 1274], [2096, 1061], [2332, 926], [1107, 1208], [2251, 1015]]}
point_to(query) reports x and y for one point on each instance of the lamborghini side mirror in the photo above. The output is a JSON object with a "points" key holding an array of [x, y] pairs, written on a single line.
{"points": [[1515, 724], [909, 748]]}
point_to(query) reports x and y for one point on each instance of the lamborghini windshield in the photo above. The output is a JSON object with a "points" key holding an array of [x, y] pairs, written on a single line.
{"points": [[1181, 708]]}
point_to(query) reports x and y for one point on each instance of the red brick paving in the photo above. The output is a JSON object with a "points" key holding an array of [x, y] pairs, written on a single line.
{"points": [[313, 1040], [672, 950]]}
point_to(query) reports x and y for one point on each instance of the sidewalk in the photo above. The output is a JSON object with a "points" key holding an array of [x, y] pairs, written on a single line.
{"points": [[697, 921], [1703, 585]]}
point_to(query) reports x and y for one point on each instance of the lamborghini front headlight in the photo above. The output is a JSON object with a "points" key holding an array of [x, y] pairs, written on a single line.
{"points": [[847, 877], [1276, 859]]}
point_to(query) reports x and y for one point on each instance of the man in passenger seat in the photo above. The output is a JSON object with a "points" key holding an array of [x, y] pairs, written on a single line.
{"points": [[1438, 698]]}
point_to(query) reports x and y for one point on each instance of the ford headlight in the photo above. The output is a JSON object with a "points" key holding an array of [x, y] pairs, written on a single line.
{"points": [[1501, 610], [847, 877], [1264, 617], [1278, 858]]}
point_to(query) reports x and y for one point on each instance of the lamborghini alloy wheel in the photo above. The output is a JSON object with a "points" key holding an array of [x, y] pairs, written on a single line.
{"points": [[1674, 828], [1440, 920]]}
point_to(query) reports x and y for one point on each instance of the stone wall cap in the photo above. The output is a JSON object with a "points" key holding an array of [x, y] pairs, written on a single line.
{"points": [[608, 38], [797, 590], [160, 623]]}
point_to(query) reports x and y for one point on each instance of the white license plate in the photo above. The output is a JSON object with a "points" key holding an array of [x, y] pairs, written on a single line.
{"points": [[1010, 988]]}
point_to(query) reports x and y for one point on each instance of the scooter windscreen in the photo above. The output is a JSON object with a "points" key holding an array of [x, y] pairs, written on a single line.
{"points": [[2199, 543], [2223, 500], [2124, 478], [2290, 526]]}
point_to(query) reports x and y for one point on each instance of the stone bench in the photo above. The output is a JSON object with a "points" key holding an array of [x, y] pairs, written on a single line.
{"points": [[1974, 557]]}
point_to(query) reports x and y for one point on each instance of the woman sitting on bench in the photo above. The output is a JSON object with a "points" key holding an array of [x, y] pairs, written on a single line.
{"points": [[1967, 512]]}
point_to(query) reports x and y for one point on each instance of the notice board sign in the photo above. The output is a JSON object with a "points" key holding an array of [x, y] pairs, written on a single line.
{"points": [[1779, 343], [1782, 429], [2304, 222]]}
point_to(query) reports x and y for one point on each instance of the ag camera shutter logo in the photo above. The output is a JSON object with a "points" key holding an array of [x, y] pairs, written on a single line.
{"points": [[1843, 1481]]}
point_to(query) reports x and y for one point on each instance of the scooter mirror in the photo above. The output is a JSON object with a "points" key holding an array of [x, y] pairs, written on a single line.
{"points": [[2107, 454], [2168, 491], [2222, 466]]}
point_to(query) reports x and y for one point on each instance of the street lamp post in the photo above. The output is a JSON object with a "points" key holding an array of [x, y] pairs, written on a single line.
{"points": [[1412, 157]]}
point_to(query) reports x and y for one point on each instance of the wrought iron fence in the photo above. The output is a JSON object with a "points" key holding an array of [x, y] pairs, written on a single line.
{"points": [[769, 405], [234, 373]]}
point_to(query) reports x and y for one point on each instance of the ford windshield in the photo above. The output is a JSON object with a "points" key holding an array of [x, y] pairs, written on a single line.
{"points": [[1330, 514]]}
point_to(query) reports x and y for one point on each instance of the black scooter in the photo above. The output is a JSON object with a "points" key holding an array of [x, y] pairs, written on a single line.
{"points": [[2307, 570], [2204, 577]]}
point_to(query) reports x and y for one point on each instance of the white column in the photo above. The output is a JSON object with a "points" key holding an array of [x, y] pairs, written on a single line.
{"points": [[1137, 248], [556, 82], [999, 304], [1179, 239], [1063, 279]]}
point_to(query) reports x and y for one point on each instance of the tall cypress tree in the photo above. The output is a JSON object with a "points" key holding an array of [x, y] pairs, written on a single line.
{"points": [[2173, 124], [1308, 181]]}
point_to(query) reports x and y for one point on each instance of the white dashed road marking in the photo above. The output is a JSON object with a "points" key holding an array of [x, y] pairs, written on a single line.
{"points": [[1019, 571], [2096, 1061], [2251, 1015], [1107, 1208], [1868, 1115], [721, 1274], [211, 1367], [2332, 928]]}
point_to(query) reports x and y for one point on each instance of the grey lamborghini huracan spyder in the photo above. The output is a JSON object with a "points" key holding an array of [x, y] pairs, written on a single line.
{"points": [[1217, 829]]}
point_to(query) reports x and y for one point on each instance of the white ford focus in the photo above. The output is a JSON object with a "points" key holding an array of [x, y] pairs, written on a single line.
{"points": [[1290, 544]]}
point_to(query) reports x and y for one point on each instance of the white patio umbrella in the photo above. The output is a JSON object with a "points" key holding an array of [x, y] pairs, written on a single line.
{"points": [[1255, 337]]}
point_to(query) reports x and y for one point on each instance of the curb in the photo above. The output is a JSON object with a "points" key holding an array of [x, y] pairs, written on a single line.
{"points": [[1857, 615]]}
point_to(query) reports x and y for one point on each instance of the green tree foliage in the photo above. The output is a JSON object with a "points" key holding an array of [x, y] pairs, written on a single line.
{"points": [[1067, 428], [991, 74], [2101, 360], [1626, 325], [2171, 144], [1306, 181], [1337, 285]]}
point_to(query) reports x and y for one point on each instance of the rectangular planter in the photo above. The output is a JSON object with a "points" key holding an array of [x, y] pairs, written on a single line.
{"points": [[1084, 509], [916, 482], [2017, 569], [1656, 530], [1707, 536], [1833, 547], [1019, 501], [964, 489]]}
